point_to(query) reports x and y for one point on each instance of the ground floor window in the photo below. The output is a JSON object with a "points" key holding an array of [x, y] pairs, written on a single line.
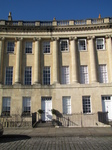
{"points": [[6, 106], [26, 106], [86, 104], [66, 105]]}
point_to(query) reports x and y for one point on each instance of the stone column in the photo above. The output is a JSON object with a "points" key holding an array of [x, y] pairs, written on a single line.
{"points": [[36, 61], [55, 61], [109, 49], [92, 60], [74, 60], [1, 52], [17, 68]]}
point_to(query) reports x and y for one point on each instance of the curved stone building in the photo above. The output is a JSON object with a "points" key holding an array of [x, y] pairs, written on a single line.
{"points": [[61, 65]]}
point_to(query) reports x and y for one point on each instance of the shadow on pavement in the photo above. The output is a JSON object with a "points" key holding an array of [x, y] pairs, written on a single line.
{"points": [[12, 138]]}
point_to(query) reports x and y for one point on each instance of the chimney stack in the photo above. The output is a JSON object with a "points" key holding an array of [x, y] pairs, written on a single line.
{"points": [[99, 16], [10, 17]]}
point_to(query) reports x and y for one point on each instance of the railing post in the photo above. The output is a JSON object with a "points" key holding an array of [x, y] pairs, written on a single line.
{"points": [[68, 122], [81, 120]]}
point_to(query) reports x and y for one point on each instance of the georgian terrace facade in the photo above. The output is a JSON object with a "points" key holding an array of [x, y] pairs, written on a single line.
{"points": [[62, 65]]}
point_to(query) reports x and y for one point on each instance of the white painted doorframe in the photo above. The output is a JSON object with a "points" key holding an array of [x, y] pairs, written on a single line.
{"points": [[46, 106], [107, 105]]}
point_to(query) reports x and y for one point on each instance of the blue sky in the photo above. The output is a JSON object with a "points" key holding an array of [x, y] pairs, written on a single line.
{"points": [[60, 9]]}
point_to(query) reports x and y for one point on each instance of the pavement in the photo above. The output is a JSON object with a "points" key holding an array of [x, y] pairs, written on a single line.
{"points": [[59, 132], [57, 138]]}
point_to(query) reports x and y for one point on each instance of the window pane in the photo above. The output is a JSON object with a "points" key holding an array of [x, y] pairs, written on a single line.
{"points": [[103, 77], [66, 105], [6, 104], [65, 78], [10, 47], [86, 104], [100, 43], [82, 44], [28, 75], [9, 76], [84, 75], [64, 45], [46, 47], [28, 47], [46, 75], [26, 104]]}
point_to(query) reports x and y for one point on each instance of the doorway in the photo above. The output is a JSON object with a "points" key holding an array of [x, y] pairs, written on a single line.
{"points": [[107, 105], [46, 106]]}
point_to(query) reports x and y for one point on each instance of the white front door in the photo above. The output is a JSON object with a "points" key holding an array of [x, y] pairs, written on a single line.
{"points": [[46, 105], [107, 105]]}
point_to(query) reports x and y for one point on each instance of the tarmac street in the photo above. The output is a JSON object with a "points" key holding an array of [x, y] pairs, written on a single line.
{"points": [[56, 139]]}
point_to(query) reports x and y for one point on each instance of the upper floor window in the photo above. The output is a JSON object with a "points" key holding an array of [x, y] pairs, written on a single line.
{"points": [[66, 105], [100, 43], [64, 45], [28, 47], [6, 106], [28, 75], [46, 47], [26, 106], [86, 104], [9, 76], [46, 75], [82, 44], [84, 75], [10, 47], [65, 75], [103, 77]]}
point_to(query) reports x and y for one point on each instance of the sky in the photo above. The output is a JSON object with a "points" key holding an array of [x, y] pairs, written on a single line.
{"points": [[46, 10]]}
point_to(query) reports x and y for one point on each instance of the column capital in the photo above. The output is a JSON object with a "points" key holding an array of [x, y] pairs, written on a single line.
{"points": [[36, 38], [108, 36], [54, 38], [2, 38], [91, 37], [18, 38], [73, 38]]}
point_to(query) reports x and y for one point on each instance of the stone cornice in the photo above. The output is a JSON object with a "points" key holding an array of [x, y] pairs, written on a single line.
{"points": [[9, 28]]}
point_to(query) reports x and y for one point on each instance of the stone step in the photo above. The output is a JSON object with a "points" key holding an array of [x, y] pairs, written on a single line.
{"points": [[110, 123], [44, 124]]}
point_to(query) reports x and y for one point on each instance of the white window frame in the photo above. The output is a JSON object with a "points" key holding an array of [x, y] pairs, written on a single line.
{"points": [[46, 47], [46, 75], [65, 48], [105, 98], [65, 75], [10, 46], [9, 76], [28, 47], [99, 47], [26, 105], [6, 103], [86, 105], [82, 48], [84, 75], [103, 74], [27, 79], [66, 100]]}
